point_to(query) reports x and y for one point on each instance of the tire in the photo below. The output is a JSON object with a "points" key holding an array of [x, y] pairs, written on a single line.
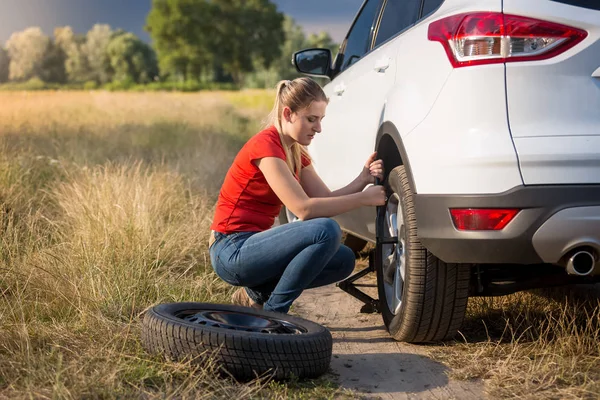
{"points": [[355, 244], [289, 347], [422, 298]]}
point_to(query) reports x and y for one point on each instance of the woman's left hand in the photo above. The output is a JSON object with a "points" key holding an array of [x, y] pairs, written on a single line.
{"points": [[373, 169]]}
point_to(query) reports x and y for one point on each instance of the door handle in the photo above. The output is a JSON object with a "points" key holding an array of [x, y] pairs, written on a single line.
{"points": [[596, 73], [339, 89], [382, 64]]}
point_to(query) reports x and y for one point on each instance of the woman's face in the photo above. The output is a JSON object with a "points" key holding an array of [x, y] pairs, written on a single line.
{"points": [[302, 126]]}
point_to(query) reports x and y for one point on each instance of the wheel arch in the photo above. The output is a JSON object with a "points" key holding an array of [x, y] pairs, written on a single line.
{"points": [[391, 150]]}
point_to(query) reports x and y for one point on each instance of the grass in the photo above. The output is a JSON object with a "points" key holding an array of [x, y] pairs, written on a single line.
{"points": [[541, 344], [188, 86], [105, 205]]}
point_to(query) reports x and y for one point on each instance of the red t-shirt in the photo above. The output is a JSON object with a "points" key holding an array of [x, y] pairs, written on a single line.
{"points": [[246, 201]]}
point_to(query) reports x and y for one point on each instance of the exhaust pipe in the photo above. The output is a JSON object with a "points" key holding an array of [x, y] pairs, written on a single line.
{"points": [[581, 263]]}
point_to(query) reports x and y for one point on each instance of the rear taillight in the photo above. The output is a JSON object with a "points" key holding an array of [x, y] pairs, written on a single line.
{"points": [[490, 37], [482, 219]]}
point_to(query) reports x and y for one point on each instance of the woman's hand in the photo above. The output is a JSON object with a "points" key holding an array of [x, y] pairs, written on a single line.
{"points": [[374, 196], [373, 169]]}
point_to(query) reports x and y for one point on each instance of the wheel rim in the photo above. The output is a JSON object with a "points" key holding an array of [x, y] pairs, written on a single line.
{"points": [[394, 255], [240, 321]]}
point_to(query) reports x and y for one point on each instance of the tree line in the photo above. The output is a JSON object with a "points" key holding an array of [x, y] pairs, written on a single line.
{"points": [[246, 43]]}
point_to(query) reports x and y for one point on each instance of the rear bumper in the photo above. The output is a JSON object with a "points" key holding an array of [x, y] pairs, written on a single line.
{"points": [[517, 243]]}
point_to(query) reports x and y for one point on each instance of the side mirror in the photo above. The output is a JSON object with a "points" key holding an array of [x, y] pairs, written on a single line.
{"points": [[313, 62]]}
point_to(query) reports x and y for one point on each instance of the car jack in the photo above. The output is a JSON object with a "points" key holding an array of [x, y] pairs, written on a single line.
{"points": [[375, 257], [371, 305]]}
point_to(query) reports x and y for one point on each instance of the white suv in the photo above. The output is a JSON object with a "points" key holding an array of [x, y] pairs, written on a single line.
{"points": [[487, 116]]}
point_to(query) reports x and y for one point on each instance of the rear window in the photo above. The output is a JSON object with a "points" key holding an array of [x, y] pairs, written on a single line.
{"points": [[592, 4]]}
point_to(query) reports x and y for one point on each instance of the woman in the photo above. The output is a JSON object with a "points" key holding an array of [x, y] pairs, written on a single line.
{"points": [[273, 265]]}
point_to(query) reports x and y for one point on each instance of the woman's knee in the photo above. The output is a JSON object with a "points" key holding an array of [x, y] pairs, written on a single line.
{"points": [[328, 229]]}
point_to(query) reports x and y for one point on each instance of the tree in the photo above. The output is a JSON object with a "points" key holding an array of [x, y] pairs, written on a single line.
{"points": [[27, 51], [191, 36], [246, 30], [95, 52], [4, 65], [131, 59], [76, 64], [282, 67], [53, 65], [180, 31]]}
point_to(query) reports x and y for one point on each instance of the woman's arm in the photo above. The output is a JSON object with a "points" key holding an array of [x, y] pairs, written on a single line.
{"points": [[291, 193], [315, 187]]}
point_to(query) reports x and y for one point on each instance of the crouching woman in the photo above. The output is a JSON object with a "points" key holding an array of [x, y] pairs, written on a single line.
{"points": [[274, 265]]}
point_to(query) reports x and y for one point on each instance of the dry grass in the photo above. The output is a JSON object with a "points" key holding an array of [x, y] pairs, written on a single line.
{"points": [[105, 203], [542, 344], [189, 132], [105, 206]]}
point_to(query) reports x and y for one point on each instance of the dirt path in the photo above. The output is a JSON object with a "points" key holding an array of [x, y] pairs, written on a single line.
{"points": [[365, 358]]}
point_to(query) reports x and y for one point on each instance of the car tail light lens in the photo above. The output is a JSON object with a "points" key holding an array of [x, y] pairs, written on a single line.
{"points": [[482, 219], [488, 38]]}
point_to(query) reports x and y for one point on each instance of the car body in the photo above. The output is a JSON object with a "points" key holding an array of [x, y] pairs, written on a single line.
{"points": [[493, 109]]}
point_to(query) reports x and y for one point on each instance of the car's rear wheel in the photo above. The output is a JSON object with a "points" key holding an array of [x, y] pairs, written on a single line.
{"points": [[422, 298]]}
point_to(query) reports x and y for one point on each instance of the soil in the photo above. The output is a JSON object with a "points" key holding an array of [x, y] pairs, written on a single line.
{"points": [[371, 363]]}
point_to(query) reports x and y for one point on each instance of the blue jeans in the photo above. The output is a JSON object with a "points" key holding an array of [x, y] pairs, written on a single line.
{"points": [[276, 265]]}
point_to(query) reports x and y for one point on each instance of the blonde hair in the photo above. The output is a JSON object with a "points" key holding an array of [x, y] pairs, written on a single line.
{"points": [[297, 95]]}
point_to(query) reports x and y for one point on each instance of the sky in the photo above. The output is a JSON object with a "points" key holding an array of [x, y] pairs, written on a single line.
{"points": [[333, 16]]}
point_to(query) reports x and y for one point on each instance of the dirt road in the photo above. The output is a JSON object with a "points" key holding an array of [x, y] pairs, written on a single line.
{"points": [[365, 358]]}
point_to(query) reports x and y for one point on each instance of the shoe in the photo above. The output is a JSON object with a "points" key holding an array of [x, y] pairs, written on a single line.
{"points": [[241, 298]]}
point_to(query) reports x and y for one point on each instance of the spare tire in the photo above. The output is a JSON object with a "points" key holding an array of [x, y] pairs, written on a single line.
{"points": [[244, 342]]}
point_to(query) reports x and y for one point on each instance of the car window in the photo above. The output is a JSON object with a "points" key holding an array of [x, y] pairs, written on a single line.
{"points": [[430, 6], [397, 16], [358, 39]]}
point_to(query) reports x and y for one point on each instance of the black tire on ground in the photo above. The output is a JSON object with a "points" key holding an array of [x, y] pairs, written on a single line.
{"points": [[355, 244], [179, 332], [435, 294]]}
